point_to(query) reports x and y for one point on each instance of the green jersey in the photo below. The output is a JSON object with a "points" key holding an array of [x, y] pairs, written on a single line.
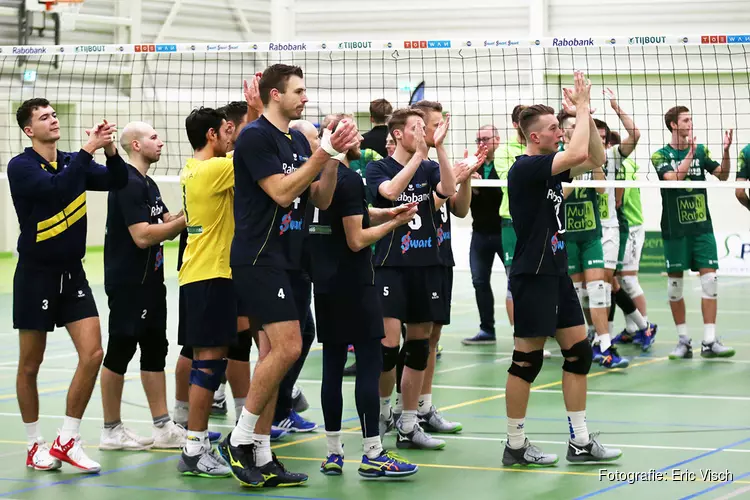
{"points": [[505, 157], [743, 163], [684, 211], [631, 208], [581, 207]]}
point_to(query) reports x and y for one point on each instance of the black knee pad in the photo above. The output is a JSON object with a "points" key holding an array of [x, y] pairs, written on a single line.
{"points": [[390, 358], [241, 350], [584, 354], [535, 360], [417, 354], [120, 351], [624, 302], [209, 381], [186, 352], [154, 350]]}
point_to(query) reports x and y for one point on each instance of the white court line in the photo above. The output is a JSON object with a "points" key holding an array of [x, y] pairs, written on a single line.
{"points": [[59, 356], [128, 420], [464, 367], [735, 493]]}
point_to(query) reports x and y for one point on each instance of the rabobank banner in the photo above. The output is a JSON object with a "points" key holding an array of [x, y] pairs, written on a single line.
{"points": [[734, 253]]}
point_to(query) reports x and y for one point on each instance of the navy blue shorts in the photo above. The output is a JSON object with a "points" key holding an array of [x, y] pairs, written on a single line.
{"points": [[447, 282], [412, 294], [270, 295], [208, 314], [544, 304], [44, 298], [137, 310]]}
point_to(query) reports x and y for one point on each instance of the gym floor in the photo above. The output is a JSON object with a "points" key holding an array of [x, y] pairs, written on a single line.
{"points": [[690, 416]]}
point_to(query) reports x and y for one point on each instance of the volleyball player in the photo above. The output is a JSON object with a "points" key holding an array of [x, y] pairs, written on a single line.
{"points": [[274, 169], [138, 222], [545, 300], [743, 173], [687, 231], [50, 289], [348, 310], [408, 273]]}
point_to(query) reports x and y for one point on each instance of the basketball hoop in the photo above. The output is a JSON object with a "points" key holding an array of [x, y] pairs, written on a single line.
{"points": [[67, 10]]}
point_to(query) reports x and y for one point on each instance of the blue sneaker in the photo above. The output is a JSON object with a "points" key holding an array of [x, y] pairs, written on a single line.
{"points": [[277, 434], [295, 423], [214, 437], [610, 359], [647, 336], [333, 465], [387, 464], [481, 338], [597, 352], [624, 337]]}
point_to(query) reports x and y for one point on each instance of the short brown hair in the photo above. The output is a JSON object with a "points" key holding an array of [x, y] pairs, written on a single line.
{"points": [[515, 116], [600, 124], [530, 116], [400, 117], [276, 77], [26, 110], [380, 110], [614, 138], [427, 106], [673, 114]]}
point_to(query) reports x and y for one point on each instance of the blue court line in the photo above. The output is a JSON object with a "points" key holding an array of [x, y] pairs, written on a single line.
{"points": [[202, 492], [715, 487], [668, 467], [83, 477]]}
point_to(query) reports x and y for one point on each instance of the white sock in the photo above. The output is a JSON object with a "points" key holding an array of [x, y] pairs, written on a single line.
{"points": [[181, 409], [682, 331], [32, 432], [611, 326], [399, 406], [239, 404], [333, 438], [638, 319], [262, 449], [579, 433], [220, 392], [245, 428], [516, 433], [195, 442], [630, 325], [604, 341], [408, 420], [385, 407], [70, 429], [425, 404], [373, 447], [709, 333]]}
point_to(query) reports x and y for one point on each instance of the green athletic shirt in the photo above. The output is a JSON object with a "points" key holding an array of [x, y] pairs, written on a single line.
{"points": [[743, 163], [631, 208], [505, 157], [684, 211], [581, 208]]}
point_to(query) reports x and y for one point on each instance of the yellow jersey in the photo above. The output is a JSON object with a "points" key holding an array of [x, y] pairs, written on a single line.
{"points": [[208, 204]]}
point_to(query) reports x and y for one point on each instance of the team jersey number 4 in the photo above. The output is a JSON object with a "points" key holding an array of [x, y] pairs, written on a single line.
{"points": [[281, 294]]}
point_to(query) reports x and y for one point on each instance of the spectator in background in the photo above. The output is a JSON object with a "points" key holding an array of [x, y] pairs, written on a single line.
{"points": [[380, 110], [390, 145]]}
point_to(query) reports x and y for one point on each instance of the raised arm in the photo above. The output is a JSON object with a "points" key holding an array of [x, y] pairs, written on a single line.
{"points": [[722, 171], [391, 189], [577, 152], [663, 164], [447, 185], [627, 146]]}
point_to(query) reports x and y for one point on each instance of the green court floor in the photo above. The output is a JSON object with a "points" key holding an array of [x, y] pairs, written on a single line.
{"points": [[692, 416]]}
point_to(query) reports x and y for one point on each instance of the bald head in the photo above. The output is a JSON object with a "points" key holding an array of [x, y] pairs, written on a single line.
{"points": [[139, 139], [308, 130]]}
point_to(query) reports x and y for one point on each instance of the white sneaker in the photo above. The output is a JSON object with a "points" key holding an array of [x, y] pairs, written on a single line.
{"points": [[169, 437], [38, 457], [72, 453], [122, 438]]}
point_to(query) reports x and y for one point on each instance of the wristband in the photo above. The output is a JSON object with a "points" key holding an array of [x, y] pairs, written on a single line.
{"points": [[325, 144]]}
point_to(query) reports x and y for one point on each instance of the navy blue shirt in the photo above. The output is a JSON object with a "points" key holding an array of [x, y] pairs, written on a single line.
{"points": [[267, 234], [50, 203], [414, 244], [334, 267], [535, 197], [443, 227], [125, 263]]}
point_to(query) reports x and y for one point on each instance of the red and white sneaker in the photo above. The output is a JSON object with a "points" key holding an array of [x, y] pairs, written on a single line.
{"points": [[38, 457], [72, 453]]}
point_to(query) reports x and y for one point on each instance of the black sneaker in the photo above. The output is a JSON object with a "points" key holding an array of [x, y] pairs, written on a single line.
{"points": [[241, 460], [275, 475], [219, 407]]}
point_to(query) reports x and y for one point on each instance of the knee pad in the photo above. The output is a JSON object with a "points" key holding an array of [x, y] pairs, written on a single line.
{"points": [[631, 286], [120, 351], [186, 352], [584, 355], [209, 381], [709, 286], [535, 360], [241, 350], [390, 358], [674, 289], [417, 354], [154, 349], [597, 293], [608, 292], [624, 301]]}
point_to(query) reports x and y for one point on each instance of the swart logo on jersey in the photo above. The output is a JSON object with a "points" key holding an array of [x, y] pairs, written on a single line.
{"points": [[646, 40], [289, 224], [442, 235], [159, 259], [572, 42], [407, 243], [556, 243]]}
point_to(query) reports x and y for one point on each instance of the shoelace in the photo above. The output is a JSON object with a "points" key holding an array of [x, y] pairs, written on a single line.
{"points": [[396, 457]]}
